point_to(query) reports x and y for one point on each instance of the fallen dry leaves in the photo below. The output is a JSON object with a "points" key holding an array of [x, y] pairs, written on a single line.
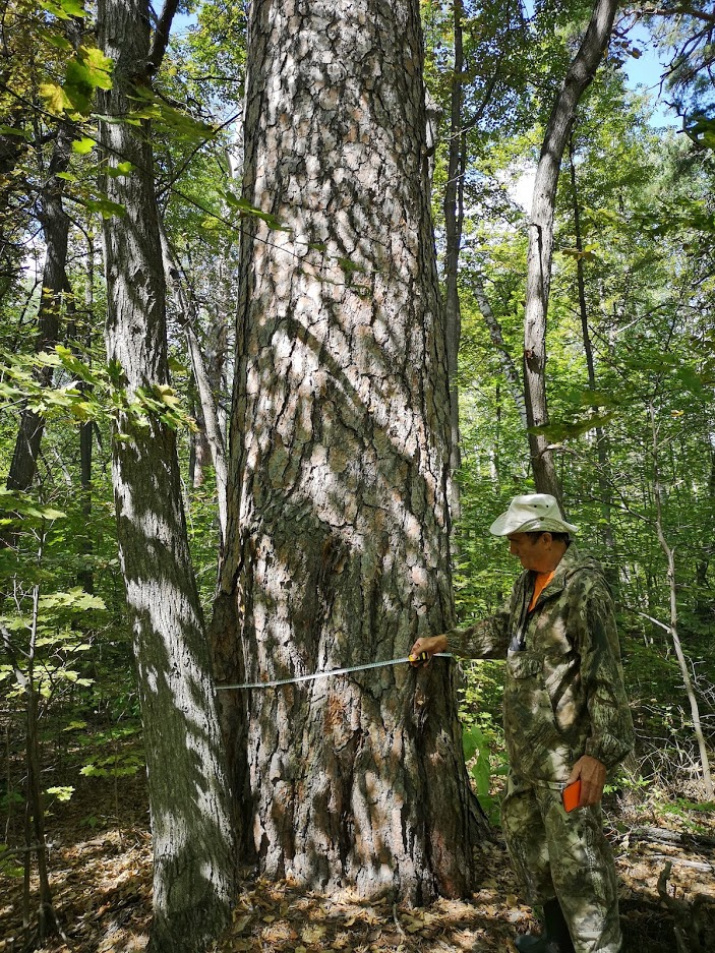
{"points": [[102, 888]]}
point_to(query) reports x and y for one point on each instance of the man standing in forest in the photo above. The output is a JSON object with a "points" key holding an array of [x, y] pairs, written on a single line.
{"points": [[566, 720]]}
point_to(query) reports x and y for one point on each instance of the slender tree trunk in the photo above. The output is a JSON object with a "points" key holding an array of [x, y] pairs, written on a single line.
{"points": [[201, 448], [188, 793], [17, 116], [604, 476], [86, 432], [703, 596], [453, 222], [47, 920], [704, 605], [509, 368], [55, 286], [11, 150], [338, 540], [673, 627], [47, 923], [541, 237], [212, 448]]}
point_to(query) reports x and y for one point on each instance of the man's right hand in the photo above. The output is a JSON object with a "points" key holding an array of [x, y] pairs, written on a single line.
{"points": [[430, 644]]}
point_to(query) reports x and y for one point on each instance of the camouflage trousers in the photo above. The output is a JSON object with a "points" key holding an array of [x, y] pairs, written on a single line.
{"points": [[562, 855]]}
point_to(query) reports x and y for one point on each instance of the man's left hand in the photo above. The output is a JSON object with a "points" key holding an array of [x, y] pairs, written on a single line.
{"points": [[592, 773]]}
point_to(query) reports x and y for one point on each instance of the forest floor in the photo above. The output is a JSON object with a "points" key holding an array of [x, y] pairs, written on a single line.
{"points": [[100, 865]]}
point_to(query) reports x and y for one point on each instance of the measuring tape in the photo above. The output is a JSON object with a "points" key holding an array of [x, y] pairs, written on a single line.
{"points": [[422, 659]]}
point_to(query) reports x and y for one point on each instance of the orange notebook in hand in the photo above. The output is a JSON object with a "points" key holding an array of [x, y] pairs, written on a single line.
{"points": [[571, 795]]}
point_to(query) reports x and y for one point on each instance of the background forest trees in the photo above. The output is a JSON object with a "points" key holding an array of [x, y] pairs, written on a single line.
{"points": [[629, 369]]}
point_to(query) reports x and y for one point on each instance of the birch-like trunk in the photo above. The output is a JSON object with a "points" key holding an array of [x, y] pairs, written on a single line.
{"points": [[338, 540], [541, 238], [188, 792]]}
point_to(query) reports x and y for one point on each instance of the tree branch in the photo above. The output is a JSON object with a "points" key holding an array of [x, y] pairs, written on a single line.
{"points": [[161, 36], [683, 10]]}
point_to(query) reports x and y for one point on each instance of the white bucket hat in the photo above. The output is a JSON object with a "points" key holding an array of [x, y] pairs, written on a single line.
{"points": [[532, 513]]}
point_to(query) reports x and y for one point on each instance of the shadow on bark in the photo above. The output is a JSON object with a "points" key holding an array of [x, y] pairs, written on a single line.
{"points": [[338, 538], [190, 814], [329, 586], [192, 842]]}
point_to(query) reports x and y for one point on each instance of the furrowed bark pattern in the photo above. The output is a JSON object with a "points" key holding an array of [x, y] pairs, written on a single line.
{"points": [[191, 828], [338, 539]]}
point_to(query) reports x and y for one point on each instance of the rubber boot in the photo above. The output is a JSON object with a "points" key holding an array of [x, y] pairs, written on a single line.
{"points": [[555, 938]]}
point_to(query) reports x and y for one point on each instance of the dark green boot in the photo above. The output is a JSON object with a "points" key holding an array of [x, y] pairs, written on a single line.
{"points": [[555, 938]]}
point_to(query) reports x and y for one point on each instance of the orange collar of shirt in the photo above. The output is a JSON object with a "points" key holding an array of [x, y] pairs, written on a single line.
{"points": [[540, 583]]}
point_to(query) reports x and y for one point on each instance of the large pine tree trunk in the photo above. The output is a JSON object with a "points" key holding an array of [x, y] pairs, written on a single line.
{"points": [[338, 539], [191, 829]]}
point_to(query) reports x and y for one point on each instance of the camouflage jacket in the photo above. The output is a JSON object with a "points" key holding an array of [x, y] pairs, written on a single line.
{"points": [[563, 692]]}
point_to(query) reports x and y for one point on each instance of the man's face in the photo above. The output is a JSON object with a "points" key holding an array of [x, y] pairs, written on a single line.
{"points": [[530, 552]]}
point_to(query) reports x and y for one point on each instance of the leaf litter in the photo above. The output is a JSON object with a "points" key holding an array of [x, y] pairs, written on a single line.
{"points": [[101, 882]]}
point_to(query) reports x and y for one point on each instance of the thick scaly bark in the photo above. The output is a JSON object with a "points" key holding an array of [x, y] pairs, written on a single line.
{"points": [[188, 792], [541, 237], [338, 539]]}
